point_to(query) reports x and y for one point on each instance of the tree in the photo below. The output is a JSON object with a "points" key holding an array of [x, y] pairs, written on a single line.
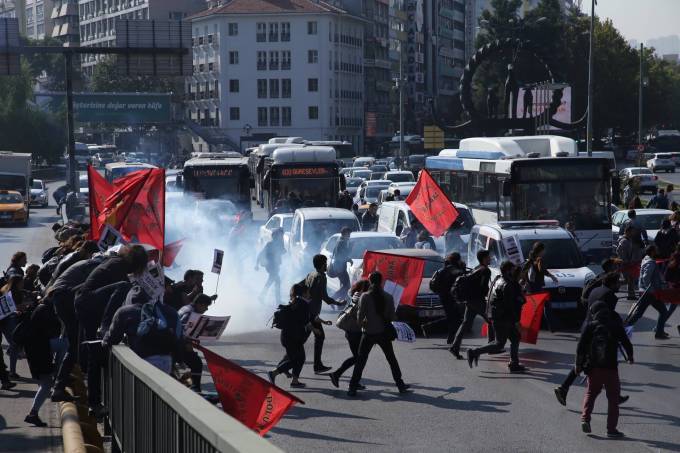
{"points": [[106, 78]]}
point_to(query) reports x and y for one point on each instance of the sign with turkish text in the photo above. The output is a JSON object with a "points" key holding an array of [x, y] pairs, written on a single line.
{"points": [[305, 172], [430, 205], [402, 275]]}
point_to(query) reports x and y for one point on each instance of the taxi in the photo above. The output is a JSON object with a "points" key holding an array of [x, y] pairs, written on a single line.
{"points": [[12, 207]]}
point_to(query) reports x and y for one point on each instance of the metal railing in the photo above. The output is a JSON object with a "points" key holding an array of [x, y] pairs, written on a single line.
{"points": [[149, 411]]}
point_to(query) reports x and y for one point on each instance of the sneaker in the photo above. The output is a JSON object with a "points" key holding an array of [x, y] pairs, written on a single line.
{"points": [[7, 385], [516, 368], [623, 399], [352, 392], [61, 396], [335, 380], [561, 395], [616, 434], [662, 336], [35, 420], [456, 354], [585, 427], [470, 358], [404, 388], [321, 369], [272, 377]]}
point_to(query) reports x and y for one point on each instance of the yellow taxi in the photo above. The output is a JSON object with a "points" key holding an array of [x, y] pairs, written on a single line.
{"points": [[12, 207]]}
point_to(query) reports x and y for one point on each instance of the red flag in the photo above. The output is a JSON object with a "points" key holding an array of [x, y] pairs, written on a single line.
{"points": [[247, 397], [402, 275], [171, 251], [530, 321], [136, 208], [668, 295], [98, 191], [431, 206]]}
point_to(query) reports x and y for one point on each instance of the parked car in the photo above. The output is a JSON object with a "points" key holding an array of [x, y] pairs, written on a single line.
{"points": [[364, 161], [12, 207], [649, 219], [359, 242], [283, 221], [400, 176], [39, 195], [661, 162], [648, 180]]}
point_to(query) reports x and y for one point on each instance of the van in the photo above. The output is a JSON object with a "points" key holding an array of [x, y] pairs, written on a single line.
{"points": [[311, 227], [395, 216]]}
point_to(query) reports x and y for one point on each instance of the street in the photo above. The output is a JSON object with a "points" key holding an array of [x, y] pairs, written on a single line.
{"points": [[452, 408]]}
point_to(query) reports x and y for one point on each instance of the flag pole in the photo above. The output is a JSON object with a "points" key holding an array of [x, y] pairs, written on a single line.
{"points": [[218, 281]]}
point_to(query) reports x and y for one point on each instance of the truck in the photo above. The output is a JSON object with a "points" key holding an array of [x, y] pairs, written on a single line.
{"points": [[15, 174]]}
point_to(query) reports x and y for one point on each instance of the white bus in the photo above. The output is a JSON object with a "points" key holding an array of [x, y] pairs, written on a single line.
{"points": [[532, 178], [117, 170]]}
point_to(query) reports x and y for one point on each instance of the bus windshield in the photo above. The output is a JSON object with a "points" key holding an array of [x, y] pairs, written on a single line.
{"points": [[312, 191], [216, 182]]}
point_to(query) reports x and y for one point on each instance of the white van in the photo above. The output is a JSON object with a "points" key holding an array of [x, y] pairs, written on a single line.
{"points": [[311, 227], [395, 216]]}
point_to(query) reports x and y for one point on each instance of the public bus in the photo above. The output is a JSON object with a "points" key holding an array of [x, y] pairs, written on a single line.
{"points": [[344, 151], [532, 178], [117, 170], [218, 176], [310, 172]]}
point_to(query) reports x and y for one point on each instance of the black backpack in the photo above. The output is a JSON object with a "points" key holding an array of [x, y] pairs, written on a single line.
{"points": [[282, 317], [463, 288], [156, 331], [599, 346], [437, 281]]}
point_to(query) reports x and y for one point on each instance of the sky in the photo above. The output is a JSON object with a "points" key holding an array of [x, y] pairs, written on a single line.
{"points": [[640, 19]]}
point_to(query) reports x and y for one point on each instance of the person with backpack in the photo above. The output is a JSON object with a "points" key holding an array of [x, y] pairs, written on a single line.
{"points": [[597, 356], [348, 322], [608, 265], [534, 272], [651, 281], [375, 314], [504, 312], [294, 320], [441, 283], [187, 354], [666, 239], [630, 256], [472, 289], [270, 259]]}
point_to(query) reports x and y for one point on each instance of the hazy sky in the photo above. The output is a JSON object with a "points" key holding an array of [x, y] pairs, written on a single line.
{"points": [[640, 19]]}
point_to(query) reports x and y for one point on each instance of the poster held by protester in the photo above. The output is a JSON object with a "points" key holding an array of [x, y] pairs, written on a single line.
{"points": [[513, 250], [204, 327], [431, 206], [402, 275], [218, 256], [7, 305], [110, 237], [248, 398], [152, 281]]}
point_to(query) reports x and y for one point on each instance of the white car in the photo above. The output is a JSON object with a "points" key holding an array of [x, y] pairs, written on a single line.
{"points": [[399, 176], [39, 194], [352, 185], [363, 173], [368, 192], [83, 190], [648, 180], [562, 256], [661, 162], [283, 221], [360, 242], [364, 161], [649, 219]]}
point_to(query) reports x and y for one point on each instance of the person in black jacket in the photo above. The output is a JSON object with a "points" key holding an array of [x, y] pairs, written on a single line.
{"points": [[596, 354], [445, 278], [369, 220], [504, 312], [294, 333], [475, 305]]}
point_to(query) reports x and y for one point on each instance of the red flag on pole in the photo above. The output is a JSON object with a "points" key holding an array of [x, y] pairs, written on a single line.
{"points": [[402, 275], [431, 206], [530, 321], [171, 251], [248, 398], [98, 191]]}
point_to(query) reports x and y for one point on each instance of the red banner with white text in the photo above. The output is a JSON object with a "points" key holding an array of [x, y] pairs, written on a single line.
{"points": [[530, 321], [402, 275], [431, 206]]}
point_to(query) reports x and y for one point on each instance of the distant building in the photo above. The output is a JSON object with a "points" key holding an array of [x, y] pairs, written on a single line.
{"points": [[14, 9], [38, 15], [672, 58], [64, 16], [266, 68]]}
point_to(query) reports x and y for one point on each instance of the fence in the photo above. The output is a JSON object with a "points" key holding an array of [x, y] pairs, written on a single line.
{"points": [[149, 411]]}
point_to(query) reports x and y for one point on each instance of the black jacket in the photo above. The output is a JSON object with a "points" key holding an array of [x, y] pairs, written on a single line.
{"points": [[316, 282], [44, 325], [110, 271], [611, 321], [368, 221], [448, 276], [76, 274], [295, 332], [505, 301]]}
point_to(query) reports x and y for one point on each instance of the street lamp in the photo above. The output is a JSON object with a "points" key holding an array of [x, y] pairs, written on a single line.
{"points": [[589, 123]]}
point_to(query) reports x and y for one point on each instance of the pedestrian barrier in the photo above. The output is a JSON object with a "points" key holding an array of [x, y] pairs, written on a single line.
{"points": [[79, 430], [149, 411]]}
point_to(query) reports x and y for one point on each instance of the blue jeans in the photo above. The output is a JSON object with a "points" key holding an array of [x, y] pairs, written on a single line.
{"points": [[58, 348], [7, 327]]}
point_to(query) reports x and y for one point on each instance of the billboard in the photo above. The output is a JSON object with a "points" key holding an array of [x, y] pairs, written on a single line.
{"points": [[123, 108], [542, 100]]}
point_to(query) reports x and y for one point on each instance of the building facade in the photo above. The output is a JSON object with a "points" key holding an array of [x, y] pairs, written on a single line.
{"points": [[14, 9], [278, 68], [38, 18], [64, 17], [97, 19]]}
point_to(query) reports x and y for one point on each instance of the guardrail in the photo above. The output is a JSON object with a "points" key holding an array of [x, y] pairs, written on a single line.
{"points": [[149, 411]]}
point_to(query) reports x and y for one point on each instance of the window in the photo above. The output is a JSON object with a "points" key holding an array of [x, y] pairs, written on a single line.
{"points": [[211, 66], [273, 31], [273, 60], [39, 12], [273, 88], [285, 31], [262, 116], [233, 28], [273, 116], [261, 60], [285, 59], [261, 32], [233, 57], [216, 87], [312, 84], [233, 86], [261, 88], [234, 113], [29, 15], [285, 88], [313, 112], [312, 56], [311, 28], [285, 116]]}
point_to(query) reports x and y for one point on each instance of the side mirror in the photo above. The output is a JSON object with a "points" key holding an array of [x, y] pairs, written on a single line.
{"points": [[507, 188]]}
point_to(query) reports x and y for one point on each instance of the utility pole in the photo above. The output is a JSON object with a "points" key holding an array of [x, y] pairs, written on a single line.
{"points": [[589, 127], [642, 86], [72, 177], [401, 108]]}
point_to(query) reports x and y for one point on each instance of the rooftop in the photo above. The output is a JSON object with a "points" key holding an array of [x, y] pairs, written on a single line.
{"points": [[270, 7]]}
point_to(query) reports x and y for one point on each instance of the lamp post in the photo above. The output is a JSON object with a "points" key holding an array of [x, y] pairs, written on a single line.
{"points": [[589, 121]]}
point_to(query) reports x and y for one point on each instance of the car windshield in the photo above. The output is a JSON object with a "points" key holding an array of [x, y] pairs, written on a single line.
{"points": [[664, 156], [37, 184], [361, 173], [10, 198], [378, 168], [651, 221], [641, 171], [399, 177], [432, 265], [353, 182], [374, 191], [358, 246], [559, 253], [318, 230]]}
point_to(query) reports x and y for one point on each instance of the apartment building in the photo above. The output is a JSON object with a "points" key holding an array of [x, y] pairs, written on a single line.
{"points": [[38, 14], [278, 68], [64, 17]]}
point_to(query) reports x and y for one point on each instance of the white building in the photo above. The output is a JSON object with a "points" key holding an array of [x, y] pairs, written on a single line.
{"points": [[265, 68]]}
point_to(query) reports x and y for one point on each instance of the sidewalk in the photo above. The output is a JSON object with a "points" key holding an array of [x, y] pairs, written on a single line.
{"points": [[17, 435]]}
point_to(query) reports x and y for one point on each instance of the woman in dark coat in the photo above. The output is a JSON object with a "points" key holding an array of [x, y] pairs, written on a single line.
{"points": [[41, 344]]}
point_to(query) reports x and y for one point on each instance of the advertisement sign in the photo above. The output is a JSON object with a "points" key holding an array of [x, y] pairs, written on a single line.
{"points": [[542, 100]]}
